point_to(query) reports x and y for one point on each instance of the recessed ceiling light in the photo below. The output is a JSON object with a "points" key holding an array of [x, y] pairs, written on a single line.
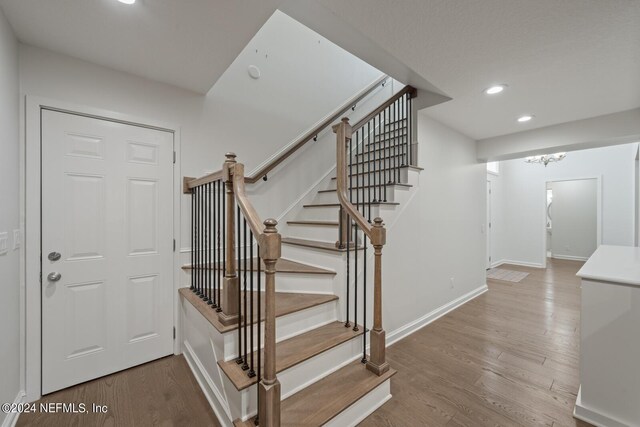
{"points": [[495, 89], [127, 1], [525, 118]]}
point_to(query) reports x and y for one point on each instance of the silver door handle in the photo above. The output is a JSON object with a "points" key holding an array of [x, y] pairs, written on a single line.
{"points": [[54, 277]]}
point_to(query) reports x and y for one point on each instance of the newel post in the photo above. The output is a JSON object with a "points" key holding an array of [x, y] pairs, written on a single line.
{"points": [[377, 360], [269, 387], [231, 289], [343, 136]]}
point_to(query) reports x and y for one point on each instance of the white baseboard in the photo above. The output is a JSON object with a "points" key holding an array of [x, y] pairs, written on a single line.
{"points": [[497, 263], [11, 418], [209, 389], [569, 257], [522, 263], [420, 323], [590, 416]]}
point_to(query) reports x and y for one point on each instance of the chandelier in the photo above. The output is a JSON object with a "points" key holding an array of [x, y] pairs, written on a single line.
{"points": [[545, 159]]}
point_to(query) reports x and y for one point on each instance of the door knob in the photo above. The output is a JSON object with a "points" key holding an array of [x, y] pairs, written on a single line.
{"points": [[54, 256], [54, 277]]}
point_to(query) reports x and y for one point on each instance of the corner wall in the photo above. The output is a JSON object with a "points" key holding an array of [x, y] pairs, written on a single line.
{"points": [[438, 236], [9, 218]]}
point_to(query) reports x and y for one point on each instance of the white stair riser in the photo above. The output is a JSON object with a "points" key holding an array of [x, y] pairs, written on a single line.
{"points": [[313, 232], [382, 177], [302, 375], [396, 161], [287, 326], [361, 195], [386, 151], [324, 213]]}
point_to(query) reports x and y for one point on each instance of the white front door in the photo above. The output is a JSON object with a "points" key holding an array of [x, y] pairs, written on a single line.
{"points": [[107, 210]]}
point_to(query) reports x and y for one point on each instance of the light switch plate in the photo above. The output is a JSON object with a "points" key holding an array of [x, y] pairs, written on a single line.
{"points": [[17, 239], [4, 243]]}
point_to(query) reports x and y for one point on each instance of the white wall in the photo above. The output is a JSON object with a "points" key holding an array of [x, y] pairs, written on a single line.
{"points": [[304, 77], [439, 233], [524, 198], [574, 218], [9, 216]]}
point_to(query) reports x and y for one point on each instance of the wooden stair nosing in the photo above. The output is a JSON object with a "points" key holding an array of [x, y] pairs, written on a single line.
{"points": [[316, 244], [283, 265], [396, 184], [322, 401], [286, 303], [332, 224], [295, 350]]}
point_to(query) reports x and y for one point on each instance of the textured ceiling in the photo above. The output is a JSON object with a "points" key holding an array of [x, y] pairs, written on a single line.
{"points": [[186, 43], [562, 59]]}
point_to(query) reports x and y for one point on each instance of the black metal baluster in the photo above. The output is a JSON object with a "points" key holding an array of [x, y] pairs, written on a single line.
{"points": [[409, 128], [376, 197], [245, 365], [257, 419], [347, 324], [193, 240], [369, 171], [403, 113], [241, 318], [223, 216], [209, 272], [199, 244], [386, 151], [214, 244], [252, 372], [396, 135]]}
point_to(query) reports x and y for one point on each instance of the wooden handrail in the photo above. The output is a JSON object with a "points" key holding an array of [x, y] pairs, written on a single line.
{"points": [[407, 89], [195, 182]]}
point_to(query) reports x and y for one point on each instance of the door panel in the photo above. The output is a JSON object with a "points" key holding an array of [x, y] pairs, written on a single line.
{"points": [[107, 207]]}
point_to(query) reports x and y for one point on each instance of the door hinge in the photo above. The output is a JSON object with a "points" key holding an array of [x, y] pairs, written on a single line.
{"points": [[174, 332], [41, 277], [174, 245], [489, 225], [174, 157]]}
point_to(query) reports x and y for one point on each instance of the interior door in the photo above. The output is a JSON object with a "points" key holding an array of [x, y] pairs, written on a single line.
{"points": [[488, 226], [107, 244]]}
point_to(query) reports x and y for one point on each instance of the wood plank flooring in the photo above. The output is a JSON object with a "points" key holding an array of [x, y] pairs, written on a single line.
{"points": [[160, 393], [509, 357]]}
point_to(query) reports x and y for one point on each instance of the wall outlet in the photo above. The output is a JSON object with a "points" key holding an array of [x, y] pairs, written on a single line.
{"points": [[17, 239], [452, 282], [4, 243]]}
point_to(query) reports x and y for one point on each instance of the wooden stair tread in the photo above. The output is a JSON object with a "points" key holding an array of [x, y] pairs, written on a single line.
{"points": [[295, 350], [282, 266], [417, 168], [286, 303], [337, 205], [397, 184], [324, 400], [317, 244]]}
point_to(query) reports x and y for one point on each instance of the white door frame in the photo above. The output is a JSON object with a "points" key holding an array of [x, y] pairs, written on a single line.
{"points": [[598, 179], [489, 224], [31, 175]]}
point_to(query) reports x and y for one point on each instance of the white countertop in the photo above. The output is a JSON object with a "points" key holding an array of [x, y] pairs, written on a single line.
{"points": [[620, 264]]}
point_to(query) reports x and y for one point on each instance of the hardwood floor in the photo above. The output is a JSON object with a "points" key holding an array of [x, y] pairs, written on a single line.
{"points": [[509, 357], [160, 393]]}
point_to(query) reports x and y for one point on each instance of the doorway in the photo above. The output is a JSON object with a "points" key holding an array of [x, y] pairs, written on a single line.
{"points": [[488, 225], [572, 218], [106, 247]]}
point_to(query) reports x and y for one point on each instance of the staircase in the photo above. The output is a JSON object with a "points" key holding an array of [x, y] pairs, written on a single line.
{"points": [[288, 328]]}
